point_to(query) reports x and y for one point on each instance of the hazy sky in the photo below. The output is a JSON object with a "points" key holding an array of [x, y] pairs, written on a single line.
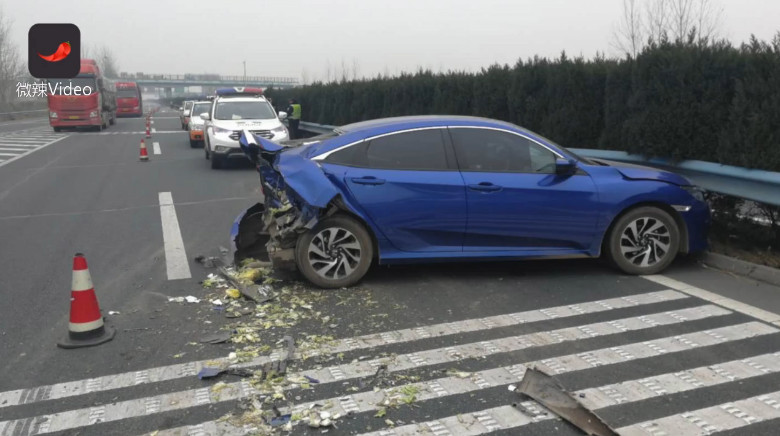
{"points": [[284, 38]]}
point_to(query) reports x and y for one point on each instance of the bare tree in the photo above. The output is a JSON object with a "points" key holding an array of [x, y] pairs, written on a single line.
{"points": [[107, 62], [355, 69], [327, 71], [709, 20], [688, 21], [305, 76], [344, 71], [628, 35], [656, 19], [12, 68]]}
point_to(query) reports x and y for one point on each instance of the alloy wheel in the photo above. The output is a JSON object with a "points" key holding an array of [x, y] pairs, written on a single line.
{"points": [[334, 253], [645, 241]]}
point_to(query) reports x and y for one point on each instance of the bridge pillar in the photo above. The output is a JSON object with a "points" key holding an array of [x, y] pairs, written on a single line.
{"points": [[168, 91]]}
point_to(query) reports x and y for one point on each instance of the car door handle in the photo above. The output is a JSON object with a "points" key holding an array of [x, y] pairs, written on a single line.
{"points": [[485, 187], [370, 180]]}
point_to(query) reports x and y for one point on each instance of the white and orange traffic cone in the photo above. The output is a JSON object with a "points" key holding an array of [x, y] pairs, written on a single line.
{"points": [[148, 133], [144, 155], [86, 327]]}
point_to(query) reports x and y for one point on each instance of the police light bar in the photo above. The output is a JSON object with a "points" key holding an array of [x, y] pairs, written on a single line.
{"points": [[239, 90]]}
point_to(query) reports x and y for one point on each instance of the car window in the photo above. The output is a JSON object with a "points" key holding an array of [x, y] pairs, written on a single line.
{"points": [[243, 110], [354, 156], [417, 150], [201, 108], [127, 93], [497, 151], [187, 105]]}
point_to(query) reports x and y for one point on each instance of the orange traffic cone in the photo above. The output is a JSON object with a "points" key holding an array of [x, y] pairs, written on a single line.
{"points": [[148, 134], [86, 326], [144, 155]]}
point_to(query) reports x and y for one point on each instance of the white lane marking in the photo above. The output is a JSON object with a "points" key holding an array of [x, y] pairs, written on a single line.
{"points": [[232, 391], [675, 382], [154, 130], [32, 151], [170, 372], [25, 146], [720, 300], [176, 262], [156, 148], [654, 348], [129, 133], [713, 419], [19, 150]]}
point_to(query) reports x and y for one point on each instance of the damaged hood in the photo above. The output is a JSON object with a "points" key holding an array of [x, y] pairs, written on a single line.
{"points": [[300, 174], [639, 172]]}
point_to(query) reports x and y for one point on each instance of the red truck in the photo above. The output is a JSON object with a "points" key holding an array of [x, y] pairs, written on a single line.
{"points": [[128, 99], [87, 100]]}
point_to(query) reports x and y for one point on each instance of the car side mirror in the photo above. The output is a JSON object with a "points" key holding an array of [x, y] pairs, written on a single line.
{"points": [[205, 116], [186, 113], [282, 115], [565, 167]]}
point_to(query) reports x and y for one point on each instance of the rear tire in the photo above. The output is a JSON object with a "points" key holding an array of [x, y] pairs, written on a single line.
{"points": [[193, 143], [339, 241], [643, 241]]}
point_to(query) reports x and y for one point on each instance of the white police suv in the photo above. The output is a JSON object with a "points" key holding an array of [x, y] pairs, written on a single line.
{"points": [[234, 110]]}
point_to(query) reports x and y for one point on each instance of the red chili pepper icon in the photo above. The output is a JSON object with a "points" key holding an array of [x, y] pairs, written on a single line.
{"points": [[62, 52]]}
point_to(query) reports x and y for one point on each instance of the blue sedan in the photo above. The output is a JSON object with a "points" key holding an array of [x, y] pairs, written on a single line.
{"points": [[443, 188]]}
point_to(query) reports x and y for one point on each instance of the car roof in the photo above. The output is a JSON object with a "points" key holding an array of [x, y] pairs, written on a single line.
{"points": [[398, 123], [241, 98]]}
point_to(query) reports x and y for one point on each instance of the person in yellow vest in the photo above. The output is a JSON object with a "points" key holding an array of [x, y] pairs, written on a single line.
{"points": [[293, 117]]}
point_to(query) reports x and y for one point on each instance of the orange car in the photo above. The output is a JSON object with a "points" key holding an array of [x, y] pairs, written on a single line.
{"points": [[195, 124]]}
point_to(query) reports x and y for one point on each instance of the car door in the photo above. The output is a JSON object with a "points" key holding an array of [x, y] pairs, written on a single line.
{"points": [[409, 186], [515, 199]]}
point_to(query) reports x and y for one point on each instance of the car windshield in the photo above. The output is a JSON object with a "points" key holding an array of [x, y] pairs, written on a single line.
{"points": [[127, 93], [244, 110], [201, 108]]}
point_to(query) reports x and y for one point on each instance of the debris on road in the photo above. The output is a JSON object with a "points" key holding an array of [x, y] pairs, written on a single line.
{"points": [[217, 338], [188, 299], [209, 262], [113, 312], [547, 391]]}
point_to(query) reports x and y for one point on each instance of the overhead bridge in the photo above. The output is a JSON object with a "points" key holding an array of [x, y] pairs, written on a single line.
{"points": [[182, 80]]}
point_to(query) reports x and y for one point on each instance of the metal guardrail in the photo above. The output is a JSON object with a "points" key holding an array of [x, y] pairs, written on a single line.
{"points": [[209, 78], [756, 185], [14, 115]]}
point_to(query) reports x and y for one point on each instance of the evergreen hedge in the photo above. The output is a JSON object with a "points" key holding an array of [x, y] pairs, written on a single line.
{"points": [[716, 103]]}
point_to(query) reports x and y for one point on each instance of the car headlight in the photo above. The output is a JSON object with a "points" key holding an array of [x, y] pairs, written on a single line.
{"points": [[220, 130], [279, 129], [220, 148], [93, 114], [695, 192], [53, 114]]}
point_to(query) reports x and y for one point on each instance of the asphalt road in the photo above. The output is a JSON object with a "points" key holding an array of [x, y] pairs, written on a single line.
{"points": [[648, 354]]}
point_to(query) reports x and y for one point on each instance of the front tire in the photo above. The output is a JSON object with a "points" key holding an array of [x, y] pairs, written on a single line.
{"points": [[643, 241], [216, 162], [336, 253]]}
